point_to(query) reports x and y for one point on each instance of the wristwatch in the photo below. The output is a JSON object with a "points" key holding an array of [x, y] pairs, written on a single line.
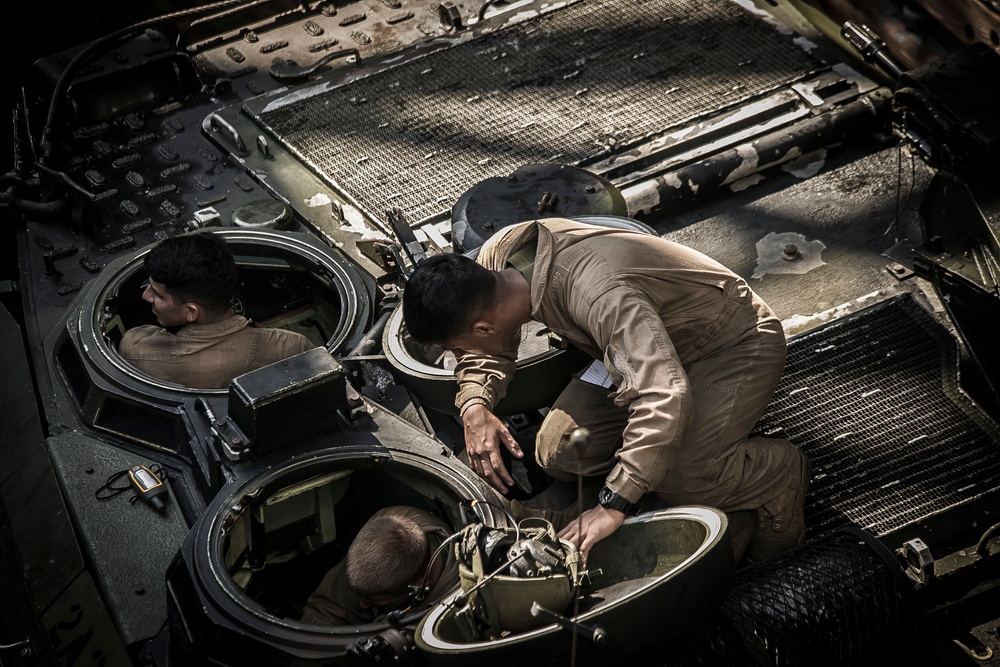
{"points": [[608, 499]]}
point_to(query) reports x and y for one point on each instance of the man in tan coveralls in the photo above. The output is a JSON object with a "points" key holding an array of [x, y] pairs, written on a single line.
{"points": [[201, 342], [693, 356], [392, 564]]}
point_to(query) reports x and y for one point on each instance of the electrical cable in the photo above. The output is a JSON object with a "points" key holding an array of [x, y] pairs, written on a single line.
{"points": [[417, 593], [147, 481], [899, 188]]}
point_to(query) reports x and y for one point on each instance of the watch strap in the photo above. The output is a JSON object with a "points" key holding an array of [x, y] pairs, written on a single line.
{"points": [[611, 500]]}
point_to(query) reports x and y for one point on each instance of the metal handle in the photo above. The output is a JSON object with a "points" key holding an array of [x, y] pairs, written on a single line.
{"points": [[871, 48], [597, 634]]}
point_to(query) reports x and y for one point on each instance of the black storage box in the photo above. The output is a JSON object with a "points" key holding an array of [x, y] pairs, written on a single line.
{"points": [[288, 401]]}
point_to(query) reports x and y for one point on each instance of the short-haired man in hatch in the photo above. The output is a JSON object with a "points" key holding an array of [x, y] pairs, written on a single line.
{"points": [[397, 562], [200, 342]]}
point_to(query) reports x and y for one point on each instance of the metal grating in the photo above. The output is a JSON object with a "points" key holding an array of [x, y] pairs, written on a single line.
{"points": [[571, 86], [873, 400], [839, 601]]}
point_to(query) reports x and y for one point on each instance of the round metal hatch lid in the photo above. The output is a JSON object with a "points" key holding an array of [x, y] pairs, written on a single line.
{"points": [[531, 192], [264, 214]]}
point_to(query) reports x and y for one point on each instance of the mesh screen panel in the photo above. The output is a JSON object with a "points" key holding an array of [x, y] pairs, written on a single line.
{"points": [[580, 83], [873, 400], [838, 601]]}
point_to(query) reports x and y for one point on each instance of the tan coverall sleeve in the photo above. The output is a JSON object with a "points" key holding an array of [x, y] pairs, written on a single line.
{"points": [[484, 379], [643, 364]]}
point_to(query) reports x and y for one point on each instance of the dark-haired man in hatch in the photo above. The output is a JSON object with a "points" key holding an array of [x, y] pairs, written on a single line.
{"points": [[200, 342]]}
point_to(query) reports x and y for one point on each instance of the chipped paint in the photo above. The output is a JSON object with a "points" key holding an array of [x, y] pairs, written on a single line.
{"points": [[646, 196], [350, 218], [805, 44], [799, 323], [770, 261], [749, 164], [672, 180], [319, 199], [643, 197], [761, 14], [354, 221], [806, 165], [746, 182], [862, 83], [808, 91], [728, 130]]}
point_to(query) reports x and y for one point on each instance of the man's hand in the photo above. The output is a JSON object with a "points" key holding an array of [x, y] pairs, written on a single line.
{"points": [[591, 527], [483, 434]]}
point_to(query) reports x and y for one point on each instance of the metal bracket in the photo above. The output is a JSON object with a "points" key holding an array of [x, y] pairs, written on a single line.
{"points": [[390, 646], [919, 561], [898, 271], [411, 246]]}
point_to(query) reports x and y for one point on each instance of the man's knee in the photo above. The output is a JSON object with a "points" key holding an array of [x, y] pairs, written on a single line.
{"points": [[553, 451], [563, 457]]}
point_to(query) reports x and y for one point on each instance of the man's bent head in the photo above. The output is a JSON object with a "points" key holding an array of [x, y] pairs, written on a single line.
{"points": [[444, 295]]}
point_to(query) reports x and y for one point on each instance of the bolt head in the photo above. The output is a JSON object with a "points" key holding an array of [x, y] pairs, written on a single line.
{"points": [[791, 252]]}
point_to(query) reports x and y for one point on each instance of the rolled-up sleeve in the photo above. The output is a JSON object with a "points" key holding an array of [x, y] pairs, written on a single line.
{"points": [[483, 379]]}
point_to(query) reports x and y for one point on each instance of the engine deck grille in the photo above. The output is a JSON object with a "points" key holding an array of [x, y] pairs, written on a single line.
{"points": [[873, 399], [576, 84]]}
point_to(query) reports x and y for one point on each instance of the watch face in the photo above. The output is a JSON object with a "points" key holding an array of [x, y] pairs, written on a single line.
{"points": [[611, 500]]}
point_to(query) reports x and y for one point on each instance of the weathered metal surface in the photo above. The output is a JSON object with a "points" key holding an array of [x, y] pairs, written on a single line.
{"points": [[571, 86], [140, 167]]}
